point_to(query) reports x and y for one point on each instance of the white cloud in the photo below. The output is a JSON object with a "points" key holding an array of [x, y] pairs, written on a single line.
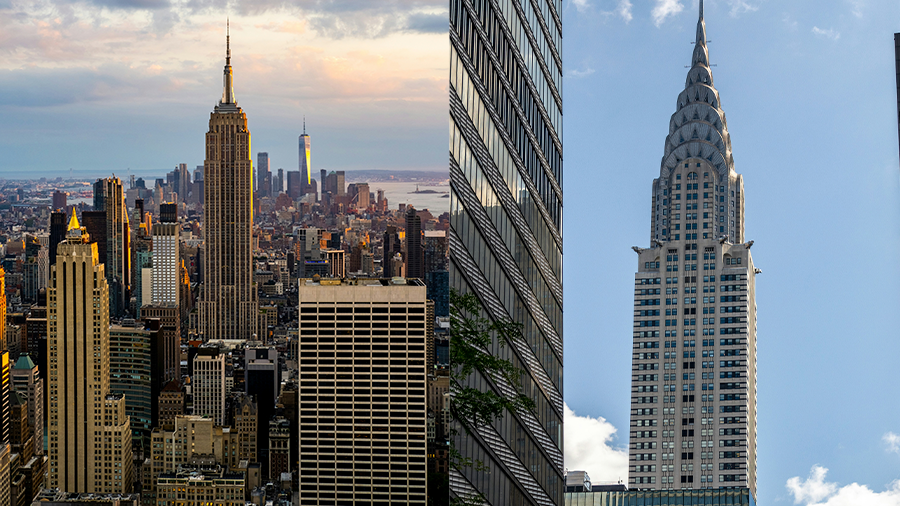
{"points": [[580, 73], [739, 7], [624, 10], [892, 441], [581, 5], [857, 7], [789, 22], [815, 491], [587, 448], [664, 9], [830, 33]]}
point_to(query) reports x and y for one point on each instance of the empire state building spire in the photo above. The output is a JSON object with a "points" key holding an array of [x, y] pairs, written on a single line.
{"points": [[228, 91]]}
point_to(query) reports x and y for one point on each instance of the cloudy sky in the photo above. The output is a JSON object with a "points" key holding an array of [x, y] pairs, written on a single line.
{"points": [[105, 86], [809, 90]]}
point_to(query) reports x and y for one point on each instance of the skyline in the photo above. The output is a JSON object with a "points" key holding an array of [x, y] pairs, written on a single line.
{"points": [[107, 85], [811, 113]]}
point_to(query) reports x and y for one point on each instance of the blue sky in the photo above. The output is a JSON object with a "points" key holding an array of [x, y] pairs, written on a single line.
{"points": [[104, 86], [809, 91]]}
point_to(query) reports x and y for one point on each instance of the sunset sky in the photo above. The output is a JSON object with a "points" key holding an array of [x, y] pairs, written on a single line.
{"points": [[112, 85]]}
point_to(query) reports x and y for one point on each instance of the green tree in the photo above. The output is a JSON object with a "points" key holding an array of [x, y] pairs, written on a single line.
{"points": [[471, 339]]}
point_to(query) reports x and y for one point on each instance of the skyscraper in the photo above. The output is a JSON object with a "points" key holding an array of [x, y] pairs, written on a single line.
{"points": [[166, 258], [26, 380], [109, 197], [59, 200], [228, 305], [58, 222], [209, 384], [305, 168], [89, 433], [415, 250], [693, 394], [897, 68], [506, 228], [263, 174], [388, 409]]}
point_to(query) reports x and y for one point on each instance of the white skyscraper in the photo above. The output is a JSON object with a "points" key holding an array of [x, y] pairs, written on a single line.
{"points": [[166, 264], [208, 384], [693, 394]]}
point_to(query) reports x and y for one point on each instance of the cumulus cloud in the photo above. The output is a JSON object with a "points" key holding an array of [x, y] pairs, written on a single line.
{"points": [[624, 10], [815, 491], [829, 33], [892, 441], [588, 447], [665, 8]]}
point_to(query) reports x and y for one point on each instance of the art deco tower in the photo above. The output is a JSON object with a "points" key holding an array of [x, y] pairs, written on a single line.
{"points": [[228, 307], [89, 432], [693, 394], [506, 171]]}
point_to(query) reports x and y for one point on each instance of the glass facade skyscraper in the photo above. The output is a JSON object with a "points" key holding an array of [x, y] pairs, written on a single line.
{"points": [[506, 230]]}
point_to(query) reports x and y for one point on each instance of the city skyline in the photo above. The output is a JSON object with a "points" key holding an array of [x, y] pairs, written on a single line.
{"points": [[350, 69]]}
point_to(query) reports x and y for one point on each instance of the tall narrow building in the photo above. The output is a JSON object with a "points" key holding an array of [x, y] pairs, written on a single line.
{"points": [[263, 174], [166, 258], [229, 306], [110, 198], [506, 230], [89, 433], [693, 393], [305, 168]]}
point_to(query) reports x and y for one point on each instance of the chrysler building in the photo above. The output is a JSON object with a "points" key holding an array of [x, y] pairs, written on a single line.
{"points": [[693, 387]]}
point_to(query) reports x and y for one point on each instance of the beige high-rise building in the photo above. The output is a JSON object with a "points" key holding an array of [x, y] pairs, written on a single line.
{"points": [[228, 305], [362, 428], [693, 393], [89, 432]]}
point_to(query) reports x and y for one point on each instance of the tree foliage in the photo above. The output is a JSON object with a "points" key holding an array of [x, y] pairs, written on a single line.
{"points": [[472, 336]]}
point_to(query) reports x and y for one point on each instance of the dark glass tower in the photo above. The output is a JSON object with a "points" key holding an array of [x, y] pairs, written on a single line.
{"points": [[506, 229]]}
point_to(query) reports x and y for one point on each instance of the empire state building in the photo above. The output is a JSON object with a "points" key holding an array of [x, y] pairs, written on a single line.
{"points": [[693, 383], [228, 304]]}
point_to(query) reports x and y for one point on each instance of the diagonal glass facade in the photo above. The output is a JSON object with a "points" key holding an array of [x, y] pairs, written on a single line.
{"points": [[506, 229]]}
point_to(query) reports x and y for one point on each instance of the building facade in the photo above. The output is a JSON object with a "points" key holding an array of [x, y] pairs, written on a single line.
{"points": [[228, 305], [693, 393], [166, 264], [305, 167], [26, 380], [89, 432], [209, 384], [263, 174], [506, 229], [109, 197], [661, 498], [362, 429]]}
